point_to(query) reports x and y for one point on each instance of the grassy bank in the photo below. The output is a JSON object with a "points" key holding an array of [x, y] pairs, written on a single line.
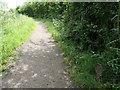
{"points": [[90, 39], [74, 59], [15, 30], [81, 64]]}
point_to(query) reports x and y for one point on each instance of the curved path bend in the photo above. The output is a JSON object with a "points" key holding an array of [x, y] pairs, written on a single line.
{"points": [[39, 64]]}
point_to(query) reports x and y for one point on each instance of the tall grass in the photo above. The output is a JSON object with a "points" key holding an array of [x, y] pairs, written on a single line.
{"points": [[14, 30]]}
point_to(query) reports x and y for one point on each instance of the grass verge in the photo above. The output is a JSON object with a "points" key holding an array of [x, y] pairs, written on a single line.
{"points": [[80, 64], [15, 30]]}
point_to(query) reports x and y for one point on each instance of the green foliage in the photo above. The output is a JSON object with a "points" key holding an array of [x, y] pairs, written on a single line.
{"points": [[14, 30], [88, 34], [84, 24], [42, 9], [81, 65]]}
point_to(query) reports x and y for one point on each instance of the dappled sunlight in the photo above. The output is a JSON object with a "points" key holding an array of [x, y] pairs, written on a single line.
{"points": [[48, 51], [39, 63], [25, 50], [10, 81], [77, 38], [57, 55], [21, 72], [25, 67], [17, 85], [35, 75], [44, 56]]}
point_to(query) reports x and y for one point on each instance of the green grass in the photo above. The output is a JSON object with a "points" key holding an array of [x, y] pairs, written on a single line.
{"points": [[14, 32], [51, 28], [80, 64]]}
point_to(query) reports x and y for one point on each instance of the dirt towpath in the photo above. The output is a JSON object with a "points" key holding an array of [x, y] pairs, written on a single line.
{"points": [[39, 64]]}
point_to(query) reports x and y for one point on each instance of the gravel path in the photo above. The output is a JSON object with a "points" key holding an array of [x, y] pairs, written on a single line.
{"points": [[39, 64]]}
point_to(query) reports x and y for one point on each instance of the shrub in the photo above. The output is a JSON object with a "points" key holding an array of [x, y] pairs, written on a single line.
{"points": [[85, 27]]}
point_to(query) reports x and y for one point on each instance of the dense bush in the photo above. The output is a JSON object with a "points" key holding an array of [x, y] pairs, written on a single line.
{"points": [[94, 27], [42, 9], [84, 24], [90, 33]]}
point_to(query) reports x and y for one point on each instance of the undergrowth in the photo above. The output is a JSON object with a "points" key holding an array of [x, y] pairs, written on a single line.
{"points": [[88, 33], [81, 64], [15, 30]]}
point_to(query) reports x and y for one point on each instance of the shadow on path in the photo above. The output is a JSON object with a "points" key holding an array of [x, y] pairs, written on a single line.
{"points": [[39, 64]]}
